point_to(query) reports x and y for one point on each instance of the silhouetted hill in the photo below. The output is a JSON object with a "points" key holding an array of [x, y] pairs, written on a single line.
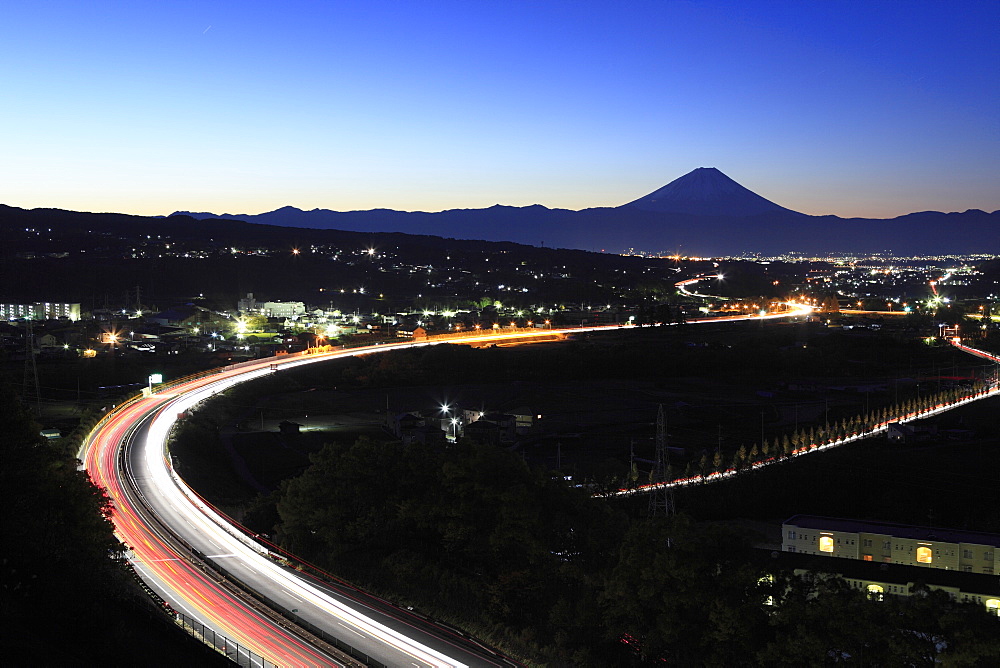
{"points": [[701, 213], [95, 258]]}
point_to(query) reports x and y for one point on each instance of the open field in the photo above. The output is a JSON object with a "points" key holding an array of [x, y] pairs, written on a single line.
{"points": [[721, 387]]}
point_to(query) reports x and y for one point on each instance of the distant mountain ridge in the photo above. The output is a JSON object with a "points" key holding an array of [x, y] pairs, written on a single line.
{"points": [[703, 212]]}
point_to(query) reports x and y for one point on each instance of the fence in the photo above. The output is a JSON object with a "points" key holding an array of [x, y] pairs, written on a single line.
{"points": [[235, 652]]}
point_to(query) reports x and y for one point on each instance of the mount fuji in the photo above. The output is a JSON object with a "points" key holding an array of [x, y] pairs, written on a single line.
{"points": [[706, 192]]}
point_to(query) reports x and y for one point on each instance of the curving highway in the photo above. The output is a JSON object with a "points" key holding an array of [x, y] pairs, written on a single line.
{"points": [[208, 569]]}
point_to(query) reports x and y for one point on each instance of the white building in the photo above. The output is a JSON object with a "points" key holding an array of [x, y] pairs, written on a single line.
{"points": [[40, 311], [271, 309], [283, 309]]}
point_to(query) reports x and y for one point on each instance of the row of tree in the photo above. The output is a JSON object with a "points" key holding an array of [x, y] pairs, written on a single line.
{"points": [[802, 440]]}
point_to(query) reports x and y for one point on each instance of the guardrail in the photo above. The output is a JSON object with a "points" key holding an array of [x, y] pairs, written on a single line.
{"points": [[235, 652], [223, 578], [240, 655]]}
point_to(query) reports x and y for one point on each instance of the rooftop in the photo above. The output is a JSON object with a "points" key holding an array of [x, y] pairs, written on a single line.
{"points": [[894, 529]]}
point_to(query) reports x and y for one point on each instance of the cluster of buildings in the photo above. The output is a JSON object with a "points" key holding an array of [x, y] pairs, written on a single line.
{"points": [[902, 287]]}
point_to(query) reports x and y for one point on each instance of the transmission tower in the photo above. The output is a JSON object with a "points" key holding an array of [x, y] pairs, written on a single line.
{"points": [[31, 369], [661, 499]]}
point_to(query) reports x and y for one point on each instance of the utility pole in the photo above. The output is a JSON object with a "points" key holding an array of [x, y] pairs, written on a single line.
{"points": [[661, 498]]}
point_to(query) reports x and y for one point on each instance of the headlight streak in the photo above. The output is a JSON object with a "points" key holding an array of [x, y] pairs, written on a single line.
{"points": [[155, 555], [184, 583], [210, 524]]}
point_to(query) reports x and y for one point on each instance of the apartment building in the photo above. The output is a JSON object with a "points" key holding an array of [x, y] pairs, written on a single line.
{"points": [[886, 542], [40, 311]]}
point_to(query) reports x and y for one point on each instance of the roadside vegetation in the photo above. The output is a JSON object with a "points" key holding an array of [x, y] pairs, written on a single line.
{"points": [[66, 598]]}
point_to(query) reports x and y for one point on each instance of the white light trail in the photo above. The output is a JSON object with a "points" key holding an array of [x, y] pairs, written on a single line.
{"points": [[210, 524]]}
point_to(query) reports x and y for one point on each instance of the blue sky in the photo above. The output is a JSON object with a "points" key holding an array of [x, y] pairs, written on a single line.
{"points": [[850, 108]]}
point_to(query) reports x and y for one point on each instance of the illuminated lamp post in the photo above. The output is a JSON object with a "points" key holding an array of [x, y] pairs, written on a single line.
{"points": [[111, 338]]}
